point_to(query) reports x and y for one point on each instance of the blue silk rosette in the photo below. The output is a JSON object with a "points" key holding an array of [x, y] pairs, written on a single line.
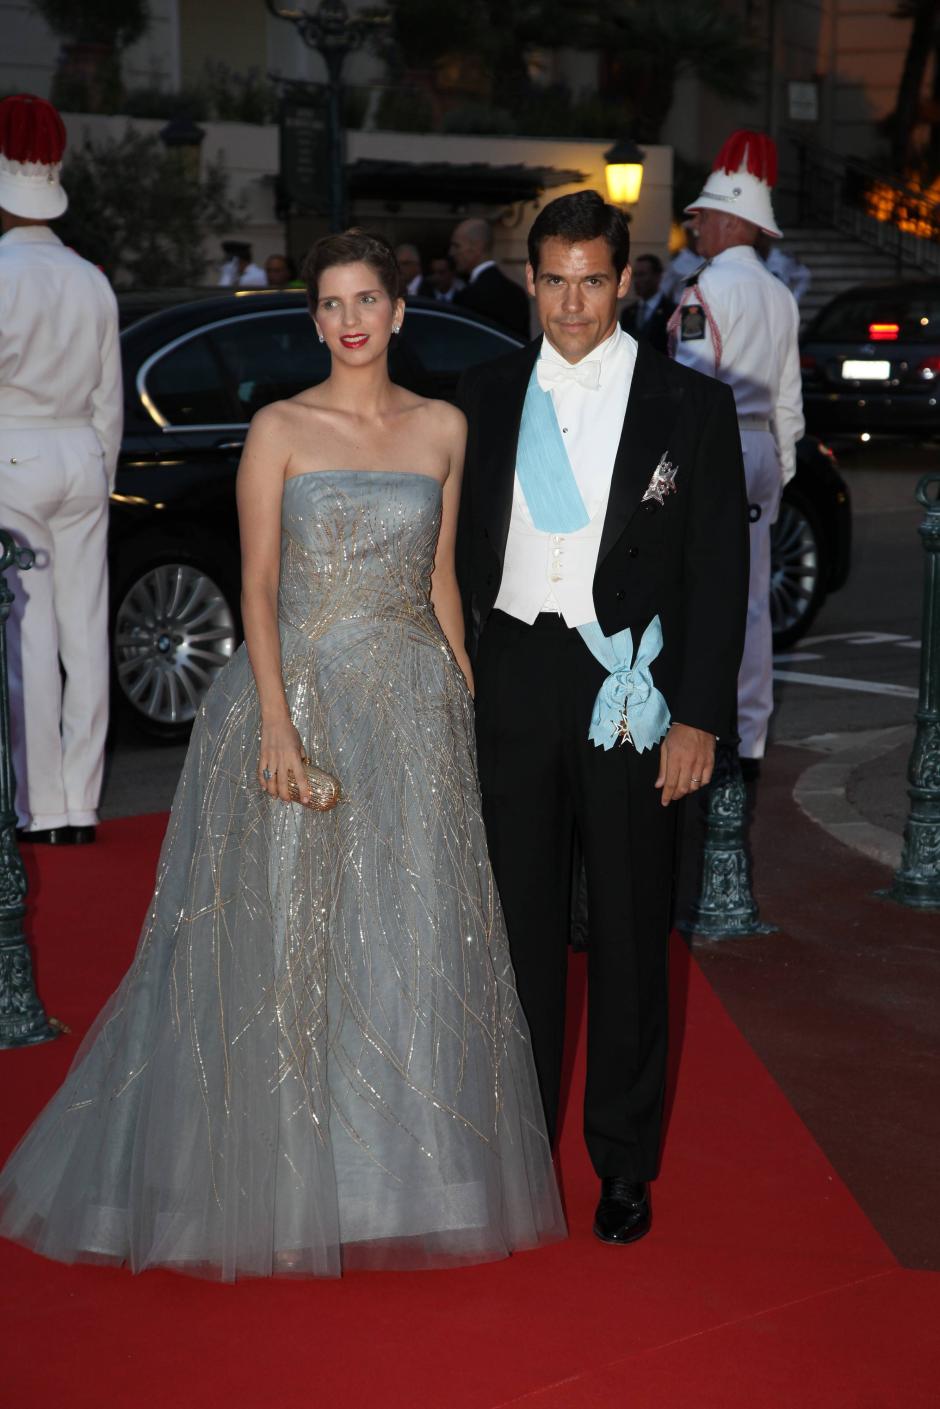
{"points": [[628, 707]]}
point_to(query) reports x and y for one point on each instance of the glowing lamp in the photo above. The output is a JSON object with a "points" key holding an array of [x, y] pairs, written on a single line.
{"points": [[883, 332], [624, 172]]}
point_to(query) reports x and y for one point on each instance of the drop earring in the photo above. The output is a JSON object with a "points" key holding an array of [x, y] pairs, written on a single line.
{"points": [[396, 327], [320, 336]]}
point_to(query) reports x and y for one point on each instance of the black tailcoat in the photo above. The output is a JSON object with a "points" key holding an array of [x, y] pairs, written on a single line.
{"points": [[547, 791]]}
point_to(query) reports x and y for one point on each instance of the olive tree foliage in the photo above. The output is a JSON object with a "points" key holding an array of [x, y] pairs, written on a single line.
{"points": [[115, 23], [647, 46], [143, 213]]}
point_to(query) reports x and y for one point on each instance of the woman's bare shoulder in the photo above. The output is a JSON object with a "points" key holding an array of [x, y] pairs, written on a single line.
{"points": [[445, 417]]}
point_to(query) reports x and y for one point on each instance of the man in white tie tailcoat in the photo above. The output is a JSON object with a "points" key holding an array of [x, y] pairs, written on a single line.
{"points": [[602, 557]]}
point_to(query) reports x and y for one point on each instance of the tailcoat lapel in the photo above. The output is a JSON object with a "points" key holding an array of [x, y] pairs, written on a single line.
{"points": [[651, 410]]}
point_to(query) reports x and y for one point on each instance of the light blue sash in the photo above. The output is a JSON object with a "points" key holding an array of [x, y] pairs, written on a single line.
{"points": [[628, 708]]}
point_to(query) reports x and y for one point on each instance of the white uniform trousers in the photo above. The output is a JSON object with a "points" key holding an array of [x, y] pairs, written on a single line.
{"points": [[755, 680], [54, 499]]}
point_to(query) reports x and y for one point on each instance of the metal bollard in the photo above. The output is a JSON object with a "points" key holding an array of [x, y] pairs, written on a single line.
{"points": [[726, 906], [917, 881], [23, 1020]]}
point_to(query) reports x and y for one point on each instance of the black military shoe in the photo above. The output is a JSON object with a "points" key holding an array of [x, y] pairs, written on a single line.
{"points": [[623, 1214], [46, 836]]}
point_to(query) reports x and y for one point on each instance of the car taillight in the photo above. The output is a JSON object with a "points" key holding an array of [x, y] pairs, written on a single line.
{"points": [[883, 332], [826, 450], [928, 368]]}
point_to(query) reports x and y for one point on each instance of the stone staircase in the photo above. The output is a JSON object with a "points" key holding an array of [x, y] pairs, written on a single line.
{"points": [[837, 262]]}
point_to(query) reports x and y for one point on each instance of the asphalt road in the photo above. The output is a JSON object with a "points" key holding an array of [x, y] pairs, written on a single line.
{"points": [[857, 669]]}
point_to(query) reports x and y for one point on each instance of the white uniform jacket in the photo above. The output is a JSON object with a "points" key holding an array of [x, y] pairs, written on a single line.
{"points": [[747, 337], [60, 360]]}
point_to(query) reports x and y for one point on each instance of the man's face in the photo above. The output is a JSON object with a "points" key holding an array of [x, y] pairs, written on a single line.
{"points": [[716, 231], [645, 278], [442, 276], [576, 291], [409, 264], [276, 271], [465, 250]]}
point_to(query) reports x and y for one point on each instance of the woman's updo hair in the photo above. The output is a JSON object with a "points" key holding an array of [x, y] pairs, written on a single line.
{"points": [[351, 247]]}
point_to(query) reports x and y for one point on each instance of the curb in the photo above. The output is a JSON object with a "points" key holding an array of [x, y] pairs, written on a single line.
{"points": [[820, 791]]}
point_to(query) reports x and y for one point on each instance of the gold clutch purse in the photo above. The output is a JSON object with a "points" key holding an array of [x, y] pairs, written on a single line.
{"points": [[325, 791]]}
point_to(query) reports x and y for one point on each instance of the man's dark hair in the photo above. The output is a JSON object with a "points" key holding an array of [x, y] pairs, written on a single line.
{"points": [[584, 215], [351, 247], [653, 260]]}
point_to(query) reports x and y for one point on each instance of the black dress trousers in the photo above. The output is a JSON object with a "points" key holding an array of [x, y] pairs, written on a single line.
{"points": [[544, 783]]}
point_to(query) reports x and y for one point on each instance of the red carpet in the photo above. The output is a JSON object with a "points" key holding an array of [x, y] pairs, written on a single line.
{"points": [[762, 1286]]}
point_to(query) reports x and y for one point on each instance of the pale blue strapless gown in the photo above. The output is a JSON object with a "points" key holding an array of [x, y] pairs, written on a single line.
{"points": [[317, 1059]]}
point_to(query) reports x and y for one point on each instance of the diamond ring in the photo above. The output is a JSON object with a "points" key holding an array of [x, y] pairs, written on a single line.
{"points": [[266, 774]]}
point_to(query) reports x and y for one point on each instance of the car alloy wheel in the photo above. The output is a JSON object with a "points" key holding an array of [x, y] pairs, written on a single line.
{"points": [[173, 632], [796, 572]]}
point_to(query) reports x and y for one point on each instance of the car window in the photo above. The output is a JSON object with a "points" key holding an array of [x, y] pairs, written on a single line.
{"points": [[446, 345], [270, 356], [187, 387], [904, 316]]}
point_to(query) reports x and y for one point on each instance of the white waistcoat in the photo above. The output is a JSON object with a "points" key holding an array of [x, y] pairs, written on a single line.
{"points": [[554, 572]]}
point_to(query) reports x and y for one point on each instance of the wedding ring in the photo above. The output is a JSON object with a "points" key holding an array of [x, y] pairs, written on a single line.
{"points": [[266, 774], [695, 780]]}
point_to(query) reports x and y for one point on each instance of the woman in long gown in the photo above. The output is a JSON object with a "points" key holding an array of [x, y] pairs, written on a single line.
{"points": [[317, 1059]]}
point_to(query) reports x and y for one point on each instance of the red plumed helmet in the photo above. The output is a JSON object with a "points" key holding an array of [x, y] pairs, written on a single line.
{"points": [[749, 151], [741, 180], [32, 143]]}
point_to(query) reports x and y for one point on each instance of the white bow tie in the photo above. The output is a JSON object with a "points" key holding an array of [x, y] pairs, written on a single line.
{"points": [[586, 374]]}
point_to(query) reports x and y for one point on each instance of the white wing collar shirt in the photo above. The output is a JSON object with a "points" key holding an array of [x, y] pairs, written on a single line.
{"points": [[554, 572]]}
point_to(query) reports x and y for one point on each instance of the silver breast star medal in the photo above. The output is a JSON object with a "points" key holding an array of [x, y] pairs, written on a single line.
{"points": [[623, 729], [662, 483]]}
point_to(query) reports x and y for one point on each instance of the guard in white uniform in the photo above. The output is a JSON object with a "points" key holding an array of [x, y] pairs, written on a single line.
{"points": [[738, 323], [60, 432]]}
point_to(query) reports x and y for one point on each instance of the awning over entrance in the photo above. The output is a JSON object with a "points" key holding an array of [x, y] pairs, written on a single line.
{"points": [[453, 183]]}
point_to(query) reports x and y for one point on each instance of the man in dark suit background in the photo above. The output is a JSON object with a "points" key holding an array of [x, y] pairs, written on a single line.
{"points": [[603, 490], [488, 290], [647, 320]]}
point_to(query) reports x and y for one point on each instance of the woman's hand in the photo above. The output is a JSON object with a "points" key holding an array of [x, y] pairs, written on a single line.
{"points": [[281, 755]]}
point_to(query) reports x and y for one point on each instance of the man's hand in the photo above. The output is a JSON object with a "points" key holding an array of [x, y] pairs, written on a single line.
{"points": [[686, 760]]}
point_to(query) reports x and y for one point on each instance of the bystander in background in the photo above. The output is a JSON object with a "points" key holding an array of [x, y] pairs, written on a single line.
{"points": [[60, 432]]}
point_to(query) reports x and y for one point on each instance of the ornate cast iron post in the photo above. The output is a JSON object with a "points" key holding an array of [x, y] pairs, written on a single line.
{"points": [[22, 1017], [917, 882], [334, 34], [726, 906]]}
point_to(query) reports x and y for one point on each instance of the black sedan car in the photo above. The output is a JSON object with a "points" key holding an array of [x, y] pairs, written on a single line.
{"points": [[196, 373], [871, 362]]}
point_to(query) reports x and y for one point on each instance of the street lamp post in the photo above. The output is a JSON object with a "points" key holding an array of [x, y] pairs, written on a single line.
{"points": [[334, 34], [23, 1019], [917, 881]]}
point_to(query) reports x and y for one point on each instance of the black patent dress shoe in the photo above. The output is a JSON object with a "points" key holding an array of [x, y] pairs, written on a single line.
{"points": [[46, 836], [82, 836], [623, 1214]]}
